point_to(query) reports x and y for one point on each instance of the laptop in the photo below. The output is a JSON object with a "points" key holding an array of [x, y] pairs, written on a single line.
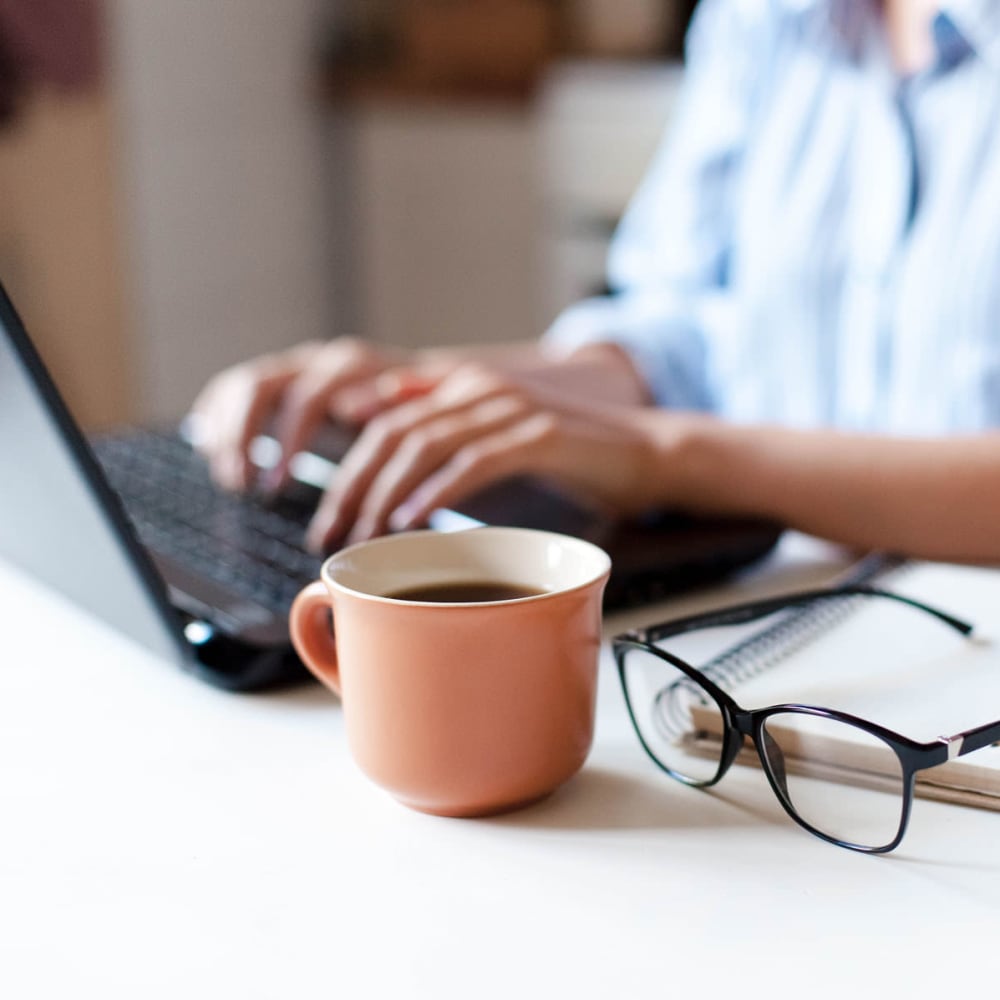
{"points": [[130, 527]]}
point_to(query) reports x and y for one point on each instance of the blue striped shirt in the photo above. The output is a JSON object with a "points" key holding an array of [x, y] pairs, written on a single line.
{"points": [[818, 241]]}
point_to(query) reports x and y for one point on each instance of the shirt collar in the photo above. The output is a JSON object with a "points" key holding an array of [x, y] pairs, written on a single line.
{"points": [[967, 27]]}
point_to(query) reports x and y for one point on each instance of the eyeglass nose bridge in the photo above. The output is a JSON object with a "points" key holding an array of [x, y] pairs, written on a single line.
{"points": [[739, 728], [742, 722], [743, 727]]}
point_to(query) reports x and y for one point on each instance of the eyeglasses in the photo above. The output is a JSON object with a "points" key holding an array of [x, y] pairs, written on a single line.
{"points": [[694, 730]]}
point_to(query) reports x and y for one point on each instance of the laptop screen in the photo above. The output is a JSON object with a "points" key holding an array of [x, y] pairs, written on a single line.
{"points": [[58, 519]]}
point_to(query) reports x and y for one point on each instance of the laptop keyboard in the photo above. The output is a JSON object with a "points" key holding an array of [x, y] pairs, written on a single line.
{"points": [[250, 546]]}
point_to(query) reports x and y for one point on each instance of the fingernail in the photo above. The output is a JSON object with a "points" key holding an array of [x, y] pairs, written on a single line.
{"points": [[315, 537], [402, 517], [237, 473], [316, 545], [271, 480], [224, 473], [324, 529], [361, 532]]}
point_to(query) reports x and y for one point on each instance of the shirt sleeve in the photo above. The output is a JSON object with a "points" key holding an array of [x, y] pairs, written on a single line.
{"points": [[668, 266]]}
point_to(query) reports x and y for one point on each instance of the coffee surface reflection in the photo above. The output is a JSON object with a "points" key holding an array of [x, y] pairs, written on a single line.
{"points": [[465, 592]]}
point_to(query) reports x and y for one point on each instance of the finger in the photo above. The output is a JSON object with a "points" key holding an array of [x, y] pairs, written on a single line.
{"points": [[423, 451], [360, 403], [234, 408], [298, 416], [523, 446], [345, 367], [369, 453], [236, 417], [374, 448]]}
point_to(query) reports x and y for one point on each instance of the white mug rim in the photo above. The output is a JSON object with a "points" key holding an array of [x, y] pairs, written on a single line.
{"points": [[601, 570]]}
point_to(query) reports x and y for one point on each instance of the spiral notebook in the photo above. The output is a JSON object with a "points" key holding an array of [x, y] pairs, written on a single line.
{"points": [[890, 665]]}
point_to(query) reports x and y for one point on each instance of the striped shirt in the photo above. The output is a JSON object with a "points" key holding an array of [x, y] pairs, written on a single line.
{"points": [[818, 241]]}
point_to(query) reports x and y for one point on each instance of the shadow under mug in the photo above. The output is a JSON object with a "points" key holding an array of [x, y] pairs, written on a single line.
{"points": [[465, 708]]}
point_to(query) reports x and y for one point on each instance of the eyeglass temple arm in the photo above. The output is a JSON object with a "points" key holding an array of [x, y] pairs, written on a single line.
{"points": [[742, 613], [973, 739]]}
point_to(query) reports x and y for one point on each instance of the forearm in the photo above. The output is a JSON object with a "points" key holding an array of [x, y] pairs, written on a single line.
{"points": [[934, 498]]}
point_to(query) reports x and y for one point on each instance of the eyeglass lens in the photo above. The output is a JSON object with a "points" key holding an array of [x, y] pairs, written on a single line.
{"points": [[680, 724], [797, 747]]}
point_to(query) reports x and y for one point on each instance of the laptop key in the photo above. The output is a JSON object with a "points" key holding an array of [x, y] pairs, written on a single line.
{"points": [[251, 547]]}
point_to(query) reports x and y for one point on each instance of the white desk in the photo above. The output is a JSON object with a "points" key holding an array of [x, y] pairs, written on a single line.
{"points": [[159, 838]]}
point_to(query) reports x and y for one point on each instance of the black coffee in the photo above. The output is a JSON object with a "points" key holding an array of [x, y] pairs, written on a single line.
{"points": [[466, 592]]}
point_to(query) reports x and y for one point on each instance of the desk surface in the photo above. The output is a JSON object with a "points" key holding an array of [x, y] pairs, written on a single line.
{"points": [[164, 839]]}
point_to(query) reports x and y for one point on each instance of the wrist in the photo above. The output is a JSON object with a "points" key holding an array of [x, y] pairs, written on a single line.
{"points": [[697, 459], [612, 372]]}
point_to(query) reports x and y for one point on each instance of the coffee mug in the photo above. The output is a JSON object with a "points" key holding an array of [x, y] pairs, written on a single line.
{"points": [[466, 661]]}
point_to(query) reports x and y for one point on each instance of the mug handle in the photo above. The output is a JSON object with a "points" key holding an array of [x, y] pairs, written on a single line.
{"points": [[308, 622]]}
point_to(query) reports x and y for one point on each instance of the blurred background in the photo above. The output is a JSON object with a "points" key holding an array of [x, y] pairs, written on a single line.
{"points": [[185, 183]]}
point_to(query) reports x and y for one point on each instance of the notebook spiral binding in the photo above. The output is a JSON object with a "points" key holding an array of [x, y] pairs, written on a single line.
{"points": [[796, 628]]}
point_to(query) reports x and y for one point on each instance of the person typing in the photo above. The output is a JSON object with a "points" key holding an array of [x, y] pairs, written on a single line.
{"points": [[803, 325]]}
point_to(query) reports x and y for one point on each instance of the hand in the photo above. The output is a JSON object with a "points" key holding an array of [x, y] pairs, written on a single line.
{"points": [[473, 428], [296, 390]]}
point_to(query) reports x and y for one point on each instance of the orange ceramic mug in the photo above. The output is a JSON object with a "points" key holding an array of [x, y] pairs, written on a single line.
{"points": [[459, 700]]}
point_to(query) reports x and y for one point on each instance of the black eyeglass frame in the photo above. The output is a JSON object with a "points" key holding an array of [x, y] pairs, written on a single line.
{"points": [[739, 723]]}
